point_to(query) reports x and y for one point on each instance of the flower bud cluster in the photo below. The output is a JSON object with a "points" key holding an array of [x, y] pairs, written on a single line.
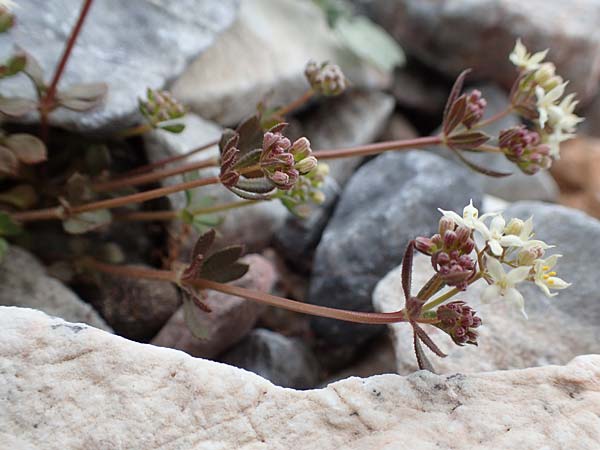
{"points": [[306, 190], [524, 148], [450, 251], [459, 320], [538, 96], [475, 107], [160, 106], [283, 162], [326, 79]]}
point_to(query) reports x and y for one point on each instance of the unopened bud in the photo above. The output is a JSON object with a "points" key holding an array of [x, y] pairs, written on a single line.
{"points": [[514, 227], [546, 76], [425, 245], [318, 197], [450, 239], [527, 257], [446, 224], [301, 149], [475, 108], [463, 233], [307, 164]]}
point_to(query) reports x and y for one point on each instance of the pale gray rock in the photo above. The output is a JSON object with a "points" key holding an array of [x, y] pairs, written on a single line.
{"points": [[229, 321], [558, 328], [284, 361], [263, 55], [389, 201], [452, 36], [23, 282], [129, 45], [68, 386]]}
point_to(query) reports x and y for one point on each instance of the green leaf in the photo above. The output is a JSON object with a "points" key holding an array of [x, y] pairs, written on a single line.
{"points": [[3, 248], [369, 41], [22, 196], [16, 106], [194, 318], [175, 128], [87, 221], [7, 226], [27, 148]]}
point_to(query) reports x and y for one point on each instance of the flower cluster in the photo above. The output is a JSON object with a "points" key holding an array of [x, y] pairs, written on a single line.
{"points": [[475, 107], [459, 320], [306, 189], [160, 110], [450, 251], [538, 96], [326, 79], [283, 162], [525, 149], [513, 245]]}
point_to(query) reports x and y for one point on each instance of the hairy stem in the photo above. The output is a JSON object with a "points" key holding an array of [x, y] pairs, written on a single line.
{"points": [[153, 176], [448, 295], [495, 117], [284, 110]]}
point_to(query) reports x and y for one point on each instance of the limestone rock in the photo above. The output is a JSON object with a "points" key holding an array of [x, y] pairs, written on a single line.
{"points": [[129, 45], [68, 386]]}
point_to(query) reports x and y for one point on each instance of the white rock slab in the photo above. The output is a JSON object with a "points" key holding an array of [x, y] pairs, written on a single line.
{"points": [[69, 386]]}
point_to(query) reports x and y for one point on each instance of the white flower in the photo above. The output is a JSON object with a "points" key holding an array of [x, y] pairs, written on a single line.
{"points": [[503, 284], [561, 116], [496, 239], [470, 218], [547, 100], [545, 278], [554, 139], [521, 58]]}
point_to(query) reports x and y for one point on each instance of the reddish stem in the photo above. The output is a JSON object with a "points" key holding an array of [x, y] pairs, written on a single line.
{"points": [[373, 149], [47, 102]]}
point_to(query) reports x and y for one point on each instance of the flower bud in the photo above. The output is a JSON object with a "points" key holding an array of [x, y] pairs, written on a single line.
{"points": [[318, 197], [425, 245], [514, 227], [546, 76], [446, 224], [475, 108], [306, 165], [523, 147], [326, 79], [450, 239], [463, 234], [526, 257], [301, 149], [280, 178], [459, 320]]}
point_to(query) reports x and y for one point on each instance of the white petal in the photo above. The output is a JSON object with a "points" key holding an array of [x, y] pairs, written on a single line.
{"points": [[557, 283], [511, 240], [495, 247], [513, 296], [490, 293], [544, 288], [494, 268], [452, 215], [497, 225], [517, 275]]}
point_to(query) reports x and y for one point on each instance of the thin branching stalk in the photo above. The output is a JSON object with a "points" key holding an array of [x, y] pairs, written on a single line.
{"points": [[135, 130], [285, 110], [374, 149]]}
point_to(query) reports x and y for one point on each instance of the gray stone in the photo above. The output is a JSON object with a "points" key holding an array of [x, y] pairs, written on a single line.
{"points": [[389, 201], [253, 226], [23, 282], [517, 186], [263, 55], [230, 319], [355, 118], [452, 36], [129, 45], [558, 329], [69, 386], [415, 89], [284, 361], [135, 308]]}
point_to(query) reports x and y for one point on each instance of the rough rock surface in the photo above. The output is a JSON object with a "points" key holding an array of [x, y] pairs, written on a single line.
{"points": [[284, 361], [387, 202], [129, 45], [452, 36], [23, 282], [68, 386], [263, 55], [507, 340], [230, 320], [253, 226]]}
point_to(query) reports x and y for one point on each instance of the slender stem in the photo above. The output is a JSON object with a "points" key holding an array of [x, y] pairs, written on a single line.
{"points": [[135, 130], [284, 110], [495, 117], [260, 297], [59, 212], [51, 92], [432, 286], [373, 149], [448, 295], [152, 176], [172, 159], [171, 215]]}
